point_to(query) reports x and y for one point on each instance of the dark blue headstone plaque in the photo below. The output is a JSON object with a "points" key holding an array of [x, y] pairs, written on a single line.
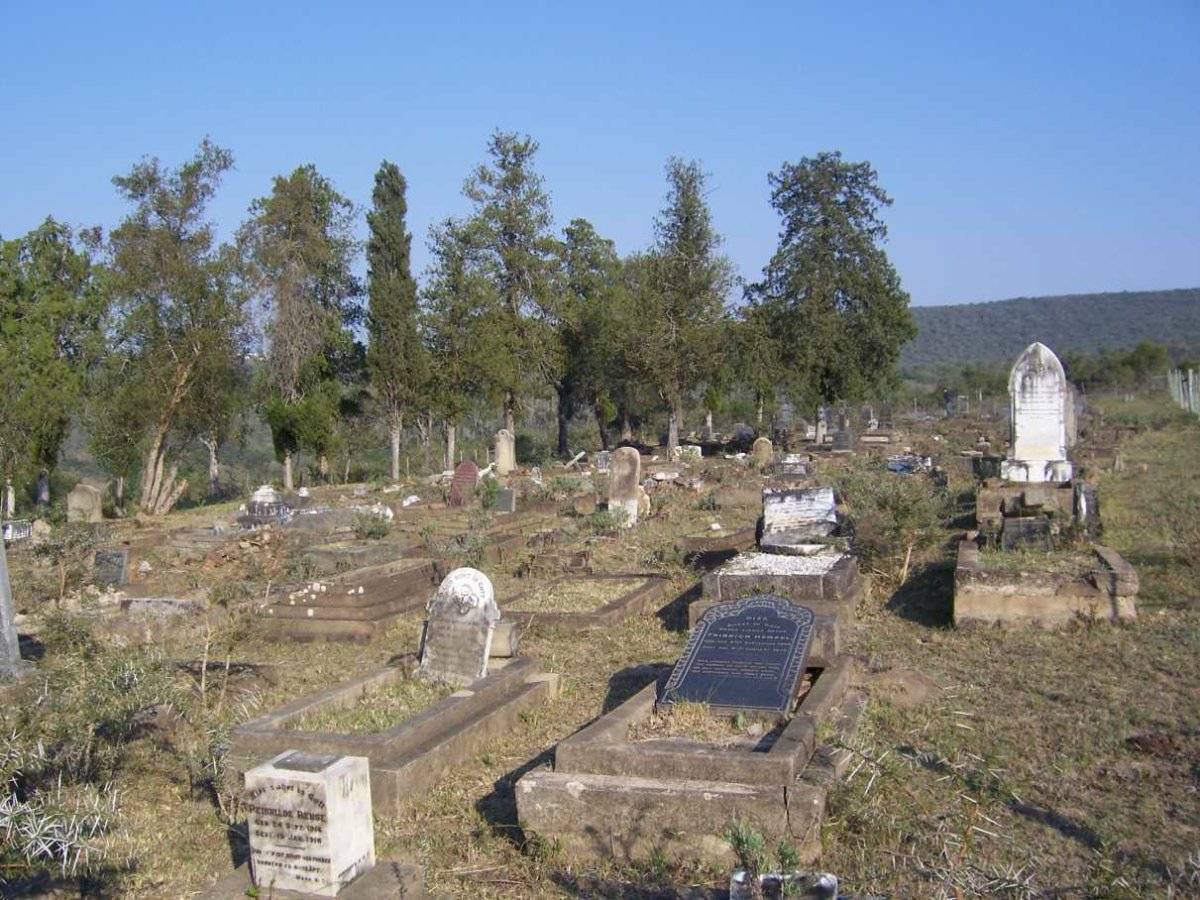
{"points": [[746, 655]]}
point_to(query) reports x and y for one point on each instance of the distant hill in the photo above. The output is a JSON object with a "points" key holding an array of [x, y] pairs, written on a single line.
{"points": [[982, 332]]}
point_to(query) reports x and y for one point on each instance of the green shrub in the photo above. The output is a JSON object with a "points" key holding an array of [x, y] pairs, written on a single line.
{"points": [[371, 525], [489, 492]]}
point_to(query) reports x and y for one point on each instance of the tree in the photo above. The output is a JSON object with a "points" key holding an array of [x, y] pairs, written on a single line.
{"points": [[515, 253], [50, 332], [756, 355], [834, 301], [684, 293], [300, 247], [180, 313], [395, 357], [458, 333]]}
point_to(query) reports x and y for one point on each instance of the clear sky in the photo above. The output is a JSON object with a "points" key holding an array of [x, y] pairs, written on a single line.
{"points": [[1031, 148]]}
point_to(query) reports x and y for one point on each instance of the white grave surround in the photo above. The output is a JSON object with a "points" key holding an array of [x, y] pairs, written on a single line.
{"points": [[309, 820], [1038, 394]]}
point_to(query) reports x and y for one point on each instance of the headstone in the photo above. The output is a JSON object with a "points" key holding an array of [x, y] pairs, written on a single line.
{"points": [[624, 479], [866, 415], [762, 450], [265, 507], [309, 822], [110, 567], [85, 504], [843, 439], [506, 501], [822, 427], [603, 460], [10, 649], [1087, 509], [1025, 533], [792, 464], [506, 451], [795, 516], [746, 655], [1038, 394], [462, 485], [458, 631]]}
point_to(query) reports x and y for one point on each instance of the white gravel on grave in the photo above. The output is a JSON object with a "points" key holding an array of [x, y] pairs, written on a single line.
{"points": [[774, 564]]}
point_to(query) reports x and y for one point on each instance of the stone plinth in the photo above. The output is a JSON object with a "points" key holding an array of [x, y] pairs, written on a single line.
{"points": [[828, 583], [309, 822]]}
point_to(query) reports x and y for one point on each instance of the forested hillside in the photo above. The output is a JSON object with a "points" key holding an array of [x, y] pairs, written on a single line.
{"points": [[1086, 323]]}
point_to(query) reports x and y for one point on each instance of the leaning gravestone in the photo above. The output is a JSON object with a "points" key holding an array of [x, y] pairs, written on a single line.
{"points": [[309, 822], [746, 655], [506, 452], [11, 665], [85, 504], [795, 516], [1038, 395], [462, 485], [458, 631], [110, 567], [761, 450], [624, 479]]}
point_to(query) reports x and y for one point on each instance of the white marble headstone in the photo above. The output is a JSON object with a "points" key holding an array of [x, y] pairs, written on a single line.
{"points": [[458, 631], [1038, 394], [506, 451], [795, 516], [309, 820], [624, 479]]}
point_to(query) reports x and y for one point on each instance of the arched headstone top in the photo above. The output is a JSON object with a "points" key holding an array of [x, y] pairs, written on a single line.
{"points": [[1039, 397]]}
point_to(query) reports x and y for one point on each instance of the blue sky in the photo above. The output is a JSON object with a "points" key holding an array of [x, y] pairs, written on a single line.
{"points": [[1031, 148]]}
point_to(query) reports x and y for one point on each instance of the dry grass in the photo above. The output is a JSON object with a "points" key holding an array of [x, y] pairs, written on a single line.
{"points": [[376, 710], [573, 596]]}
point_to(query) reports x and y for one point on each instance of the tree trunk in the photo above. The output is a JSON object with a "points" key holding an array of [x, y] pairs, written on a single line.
{"points": [[626, 426], [323, 466], [708, 428], [119, 491], [604, 438], [672, 431], [510, 411], [288, 483], [43, 489], [758, 406], [450, 437], [10, 499], [564, 406], [394, 430], [425, 433], [214, 466]]}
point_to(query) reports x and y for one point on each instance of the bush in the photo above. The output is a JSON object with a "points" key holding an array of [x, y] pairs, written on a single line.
{"points": [[371, 525], [489, 492], [532, 452]]}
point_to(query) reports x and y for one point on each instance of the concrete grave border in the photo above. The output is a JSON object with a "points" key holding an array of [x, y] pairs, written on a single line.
{"points": [[638, 598]]}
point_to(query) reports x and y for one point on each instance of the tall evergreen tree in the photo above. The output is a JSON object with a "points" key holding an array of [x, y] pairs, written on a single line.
{"points": [[835, 303], [49, 333], [396, 361], [300, 245], [684, 294], [511, 227]]}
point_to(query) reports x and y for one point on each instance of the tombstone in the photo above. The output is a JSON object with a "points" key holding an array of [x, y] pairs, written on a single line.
{"points": [[110, 567], [806, 429], [458, 630], [1087, 509], [462, 485], [792, 464], [506, 501], [745, 655], [866, 415], [1025, 533], [1038, 397], [624, 480], [796, 516], [506, 451], [821, 428], [843, 439], [11, 665], [762, 450], [265, 507], [85, 504], [309, 822], [603, 460]]}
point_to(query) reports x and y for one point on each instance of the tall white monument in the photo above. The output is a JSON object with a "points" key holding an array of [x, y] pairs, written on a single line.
{"points": [[1038, 394]]}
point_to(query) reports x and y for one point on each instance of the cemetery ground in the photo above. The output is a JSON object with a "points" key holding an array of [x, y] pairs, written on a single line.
{"points": [[1011, 762]]}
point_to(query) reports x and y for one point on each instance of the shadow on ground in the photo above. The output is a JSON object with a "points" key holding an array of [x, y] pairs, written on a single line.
{"points": [[927, 597]]}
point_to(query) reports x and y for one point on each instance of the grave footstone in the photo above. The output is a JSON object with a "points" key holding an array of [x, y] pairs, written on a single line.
{"points": [[746, 655], [624, 479], [462, 485], [762, 450], [1038, 395], [110, 567], [85, 504], [458, 630], [506, 451], [796, 516], [309, 822]]}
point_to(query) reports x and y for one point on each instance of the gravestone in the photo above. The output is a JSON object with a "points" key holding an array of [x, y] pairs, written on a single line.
{"points": [[11, 665], [1025, 533], [843, 439], [309, 822], [762, 450], [1087, 509], [796, 516], [1038, 395], [506, 501], [624, 479], [745, 655], [506, 451], [792, 464], [603, 460], [85, 504], [458, 631], [265, 507], [462, 485], [822, 426], [110, 567]]}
